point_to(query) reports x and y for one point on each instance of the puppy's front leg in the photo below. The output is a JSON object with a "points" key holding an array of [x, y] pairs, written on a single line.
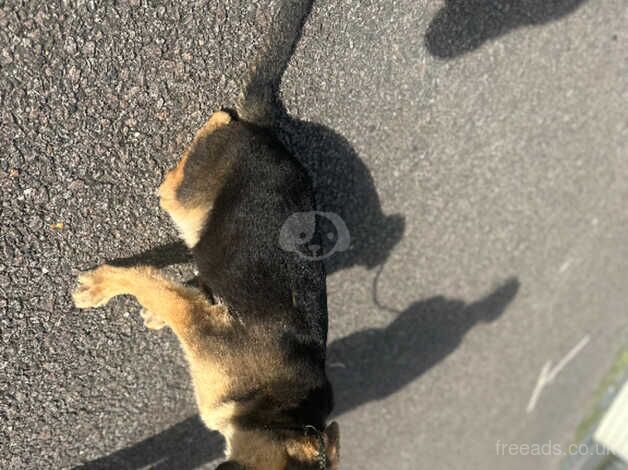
{"points": [[185, 310]]}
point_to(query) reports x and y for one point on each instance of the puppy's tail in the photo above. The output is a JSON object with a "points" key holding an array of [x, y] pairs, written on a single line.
{"points": [[259, 100]]}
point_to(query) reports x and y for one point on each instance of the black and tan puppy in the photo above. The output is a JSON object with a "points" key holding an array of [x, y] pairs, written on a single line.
{"points": [[255, 345]]}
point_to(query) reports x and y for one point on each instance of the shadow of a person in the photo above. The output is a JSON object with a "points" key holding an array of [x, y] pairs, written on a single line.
{"points": [[374, 364], [464, 25]]}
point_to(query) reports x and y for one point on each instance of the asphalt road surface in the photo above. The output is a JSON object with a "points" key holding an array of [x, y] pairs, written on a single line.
{"points": [[478, 151]]}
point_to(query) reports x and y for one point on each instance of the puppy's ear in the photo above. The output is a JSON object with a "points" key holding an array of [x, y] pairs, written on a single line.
{"points": [[332, 444], [230, 465]]}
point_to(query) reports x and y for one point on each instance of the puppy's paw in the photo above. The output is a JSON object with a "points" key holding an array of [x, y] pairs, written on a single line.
{"points": [[94, 288], [151, 320]]}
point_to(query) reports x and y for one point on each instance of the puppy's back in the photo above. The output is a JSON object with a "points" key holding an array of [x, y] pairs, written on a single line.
{"points": [[238, 253]]}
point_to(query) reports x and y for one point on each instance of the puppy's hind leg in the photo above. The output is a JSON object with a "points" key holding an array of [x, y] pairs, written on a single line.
{"points": [[188, 190], [185, 310]]}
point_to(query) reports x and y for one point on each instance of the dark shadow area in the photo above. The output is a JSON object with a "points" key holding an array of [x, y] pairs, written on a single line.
{"points": [[364, 366], [174, 252], [464, 25], [186, 445], [161, 256], [375, 363], [343, 185]]}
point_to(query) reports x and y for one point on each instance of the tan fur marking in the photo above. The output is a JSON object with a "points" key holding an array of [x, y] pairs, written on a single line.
{"points": [[216, 120], [257, 450], [306, 448], [151, 320], [214, 417], [189, 219]]}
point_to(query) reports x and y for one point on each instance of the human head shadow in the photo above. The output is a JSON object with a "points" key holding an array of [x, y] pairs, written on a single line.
{"points": [[367, 365], [464, 25]]}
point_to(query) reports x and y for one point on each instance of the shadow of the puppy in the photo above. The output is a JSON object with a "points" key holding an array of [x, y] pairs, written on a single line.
{"points": [[186, 445], [464, 25], [364, 366], [343, 185], [174, 252]]}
